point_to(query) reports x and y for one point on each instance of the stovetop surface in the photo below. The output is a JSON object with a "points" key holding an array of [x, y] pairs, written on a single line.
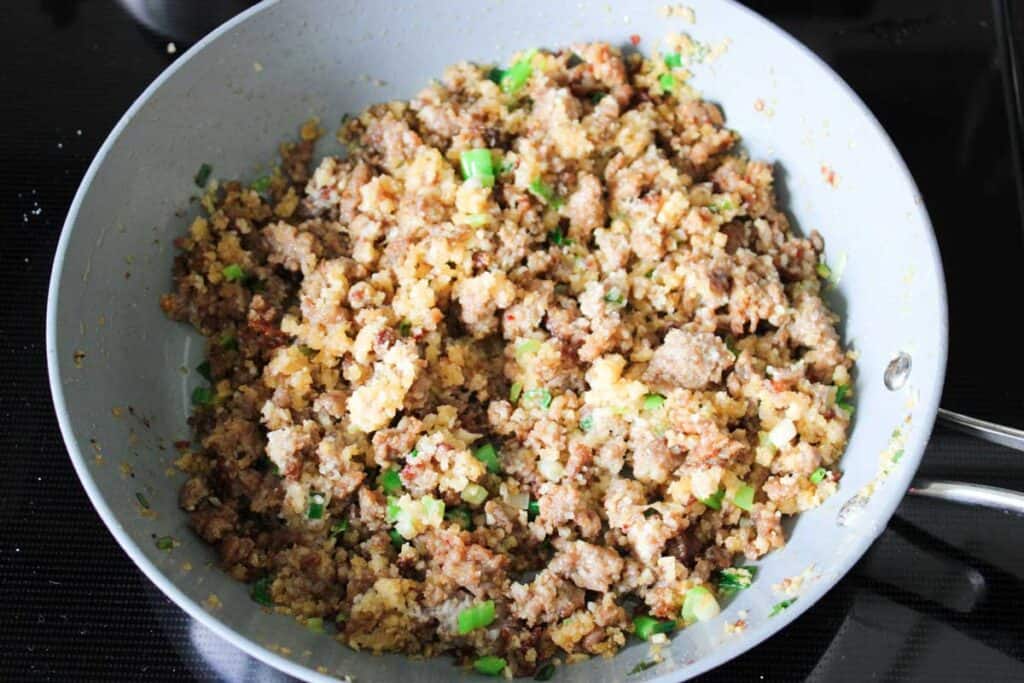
{"points": [[937, 598]]}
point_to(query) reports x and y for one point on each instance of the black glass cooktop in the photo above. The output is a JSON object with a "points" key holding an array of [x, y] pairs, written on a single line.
{"points": [[939, 596]]}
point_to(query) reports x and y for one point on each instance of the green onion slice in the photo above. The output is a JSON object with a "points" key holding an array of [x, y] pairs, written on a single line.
{"points": [[339, 528], [261, 184], [714, 501], [744, 497], [490, 665], [699, 605], [203, 174], [204, 370], [545, 193], [513, 80], [545, 673], [673, 60], [261, 592], [781, 606], [477, 616], [653, 401], [390, 482], [542, 397], [818, 475], [646, 626], [667, 83], [735, 579], [165, 543], [488, 455], [474, 494], [202, 396], [533, 510], [477, 163], [514, 391], [315, 506], [461, 517]]}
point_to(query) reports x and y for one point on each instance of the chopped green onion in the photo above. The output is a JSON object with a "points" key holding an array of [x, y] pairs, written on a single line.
{"points": [[724, 205], [673, 60], [514, 391], [392, 510], [165, 543], [495, 74], [261, 591], [897, 456], [818, 475], [545, 673], [526, 347], [490, 665], [404, 328], [307, 351], [653, 401], [228, 342], [413, 453], [204, 370], [744, 497], [339, 528], [477, 616], [842, 397], [649, 274], [542, 397], [545, 193], [699, 605], [714, 501], [573, 61], [315, 624], [614, 297], [202, 396], [558, 238], [533, 510], [587, 423], [390, 482], [597, 96], [735, 579], [142, 499], [645, 626], [642, 666], [650, 512], [781, 606], [261, 184], [474, 494], [397, 539], [203, 174], [823, 270], [475, 220], [461, 517], [488, 455], [667, 83], [513, 80], [477, 163], [315, 506]]}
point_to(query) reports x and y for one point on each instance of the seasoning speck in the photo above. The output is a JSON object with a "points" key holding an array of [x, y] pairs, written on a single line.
{"points": [[171, 48]]}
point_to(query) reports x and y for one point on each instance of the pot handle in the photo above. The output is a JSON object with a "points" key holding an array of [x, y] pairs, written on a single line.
{"points": [[977, 495], [987, 431]]}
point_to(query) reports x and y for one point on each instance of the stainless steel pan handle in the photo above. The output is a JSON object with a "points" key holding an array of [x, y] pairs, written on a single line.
{"points": [[988, 431], [977, 495]]}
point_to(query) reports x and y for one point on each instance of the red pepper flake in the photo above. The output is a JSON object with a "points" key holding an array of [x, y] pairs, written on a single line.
{"points": [[830, 176], [635, 39]]}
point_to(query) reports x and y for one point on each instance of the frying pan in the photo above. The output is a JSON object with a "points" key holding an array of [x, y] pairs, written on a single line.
{"points": [[118, 367]]}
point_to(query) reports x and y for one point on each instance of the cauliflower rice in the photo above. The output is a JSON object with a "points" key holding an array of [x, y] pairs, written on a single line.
{"points": [[509, 413]]}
